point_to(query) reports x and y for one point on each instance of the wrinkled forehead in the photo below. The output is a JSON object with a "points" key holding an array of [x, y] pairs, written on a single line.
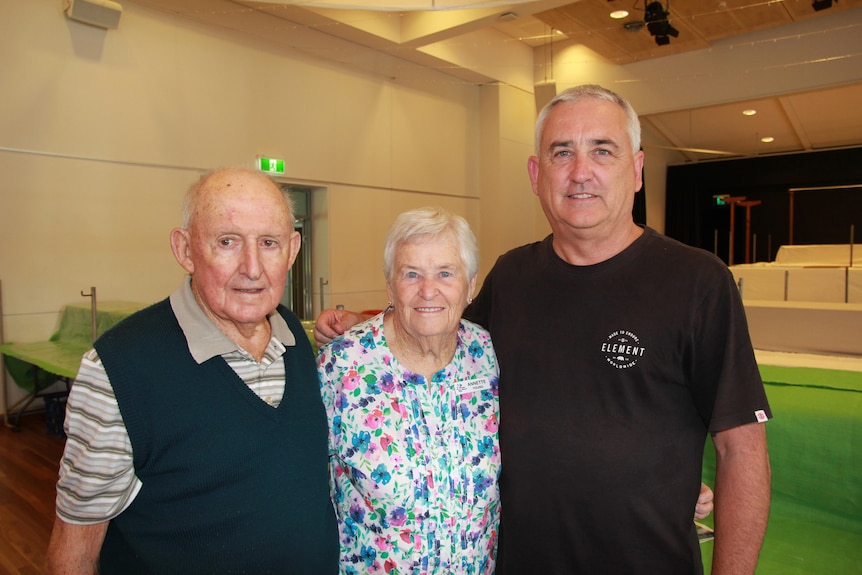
{"points": [[438, 249], [224, 194], [586, 113]]}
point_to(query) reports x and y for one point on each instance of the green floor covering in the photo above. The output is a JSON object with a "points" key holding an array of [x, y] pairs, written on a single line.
{"points": [[815, 444], [803, 547]]}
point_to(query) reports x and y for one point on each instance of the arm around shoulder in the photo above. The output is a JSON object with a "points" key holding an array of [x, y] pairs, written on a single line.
{"points": [[742, 497], [74, 549], [331, 323]]}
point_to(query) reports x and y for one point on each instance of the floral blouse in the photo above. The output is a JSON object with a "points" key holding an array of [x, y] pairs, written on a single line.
{"points": [[414, 464]]}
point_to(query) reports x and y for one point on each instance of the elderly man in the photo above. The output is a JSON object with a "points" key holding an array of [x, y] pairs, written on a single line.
{"points": [[197, 438], [620, 350]]}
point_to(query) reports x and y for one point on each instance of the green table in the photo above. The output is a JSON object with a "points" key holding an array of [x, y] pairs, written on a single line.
{"points": [[35, 366], [815, 443]]}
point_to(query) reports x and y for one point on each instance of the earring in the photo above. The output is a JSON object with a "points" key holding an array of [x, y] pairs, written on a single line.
{"points": [[469, 300]]}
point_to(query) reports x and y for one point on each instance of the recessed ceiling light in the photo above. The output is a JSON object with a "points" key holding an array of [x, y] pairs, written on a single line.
{"points": [[767, 139], [749, 112], [619, 14]]}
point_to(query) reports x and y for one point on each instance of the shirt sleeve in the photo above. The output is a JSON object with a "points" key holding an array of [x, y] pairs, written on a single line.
{"points": [[97, 476], [734, 395]]}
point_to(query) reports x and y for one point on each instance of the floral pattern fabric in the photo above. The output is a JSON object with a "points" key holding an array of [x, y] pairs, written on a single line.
{"points": [[413, 464]]}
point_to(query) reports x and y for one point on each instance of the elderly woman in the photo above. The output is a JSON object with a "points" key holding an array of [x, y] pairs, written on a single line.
{"points": [[411, 396]]}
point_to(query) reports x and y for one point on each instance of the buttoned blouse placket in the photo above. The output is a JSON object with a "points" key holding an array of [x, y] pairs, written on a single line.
{"points": [[435, 434]]}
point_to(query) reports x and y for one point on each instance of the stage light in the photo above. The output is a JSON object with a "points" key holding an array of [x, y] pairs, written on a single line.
{"points": [[655, 12], [655, 17]]}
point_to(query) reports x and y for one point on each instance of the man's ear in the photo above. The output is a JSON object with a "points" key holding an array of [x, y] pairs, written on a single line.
{"points": [[180, 246], [295, 242], [639, 166], [533, 172]]}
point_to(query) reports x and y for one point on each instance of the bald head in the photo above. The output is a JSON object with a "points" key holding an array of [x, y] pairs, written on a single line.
{"points": [[226, 179], [237, 243]]}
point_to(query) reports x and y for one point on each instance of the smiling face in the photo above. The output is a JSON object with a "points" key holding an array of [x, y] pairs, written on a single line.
{"points": [[238, 249], [429, 287], [586, 174]]}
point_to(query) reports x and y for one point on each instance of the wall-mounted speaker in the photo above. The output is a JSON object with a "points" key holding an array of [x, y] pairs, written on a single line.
{"points": [[544, 93], [101, 13]]}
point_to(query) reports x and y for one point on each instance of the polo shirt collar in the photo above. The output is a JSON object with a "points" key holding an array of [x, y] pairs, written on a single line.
{"points": [[204, 338]]}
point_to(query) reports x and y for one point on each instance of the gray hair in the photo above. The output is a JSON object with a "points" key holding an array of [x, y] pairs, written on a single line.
{"points": [[633, 124], [191, 198], [422, 223]]}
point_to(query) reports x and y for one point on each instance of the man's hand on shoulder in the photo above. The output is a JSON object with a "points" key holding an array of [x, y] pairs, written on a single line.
{"points": [[331, 323]]}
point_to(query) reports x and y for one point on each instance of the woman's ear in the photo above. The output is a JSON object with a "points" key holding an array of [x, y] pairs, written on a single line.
{"points": [[389, 292]]}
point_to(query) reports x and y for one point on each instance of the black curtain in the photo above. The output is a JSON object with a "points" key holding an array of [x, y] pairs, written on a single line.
{"points": [[824, 216], [639, 208]]}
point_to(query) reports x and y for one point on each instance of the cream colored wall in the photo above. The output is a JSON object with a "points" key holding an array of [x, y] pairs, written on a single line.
{"points": [[656, 161], [102, 131], [67, 225], [105, 129], [431, 162], [359, 220], [511, 214]]}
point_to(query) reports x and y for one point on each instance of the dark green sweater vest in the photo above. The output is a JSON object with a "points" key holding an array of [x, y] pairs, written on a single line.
{"points": [[230, 484]]}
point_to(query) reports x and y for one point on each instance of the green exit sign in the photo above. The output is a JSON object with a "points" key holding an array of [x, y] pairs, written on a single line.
{"points": [[721, 200], [271, 165]]}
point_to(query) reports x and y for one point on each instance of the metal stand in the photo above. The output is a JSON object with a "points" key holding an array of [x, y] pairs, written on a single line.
{"points": [[748, 204], [93, 312], [732, 201]]}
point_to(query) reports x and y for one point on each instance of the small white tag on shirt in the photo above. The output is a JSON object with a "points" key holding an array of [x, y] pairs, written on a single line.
{"points": [[761, 416], [472, 385]]}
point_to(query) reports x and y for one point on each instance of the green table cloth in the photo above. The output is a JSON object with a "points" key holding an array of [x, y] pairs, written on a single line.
{"points": [[37, 364]]}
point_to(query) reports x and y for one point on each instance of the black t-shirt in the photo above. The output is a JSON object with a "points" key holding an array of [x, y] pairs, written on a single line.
{"points": [[611, 375]]}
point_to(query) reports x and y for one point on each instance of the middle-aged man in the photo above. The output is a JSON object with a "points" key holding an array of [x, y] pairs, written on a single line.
{"points": [[619, 351], [197, 441]]}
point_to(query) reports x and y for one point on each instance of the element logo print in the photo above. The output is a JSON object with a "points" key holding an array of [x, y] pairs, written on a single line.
{"points": [[622, 349]]}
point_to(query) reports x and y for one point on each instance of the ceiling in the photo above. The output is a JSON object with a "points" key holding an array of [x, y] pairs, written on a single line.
{"points": [[407, 30]]}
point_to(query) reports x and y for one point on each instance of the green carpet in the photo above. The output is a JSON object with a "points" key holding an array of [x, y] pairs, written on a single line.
{"points": [[815, 442], [803, 547]]}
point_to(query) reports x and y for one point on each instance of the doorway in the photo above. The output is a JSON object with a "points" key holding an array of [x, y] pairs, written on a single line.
{"points": [[298, 287]]}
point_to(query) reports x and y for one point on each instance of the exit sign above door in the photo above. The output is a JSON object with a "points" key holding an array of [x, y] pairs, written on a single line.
{"points": [[270, 165]]}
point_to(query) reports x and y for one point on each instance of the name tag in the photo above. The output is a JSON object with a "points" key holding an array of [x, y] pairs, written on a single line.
{"points": [[472, 385]]}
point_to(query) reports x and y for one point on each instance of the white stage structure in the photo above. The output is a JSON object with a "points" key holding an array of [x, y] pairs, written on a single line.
{"points": [[809, 300]]}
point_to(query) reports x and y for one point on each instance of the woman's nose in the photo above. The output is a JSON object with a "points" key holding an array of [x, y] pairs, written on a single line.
{"points": [[428, 288]]}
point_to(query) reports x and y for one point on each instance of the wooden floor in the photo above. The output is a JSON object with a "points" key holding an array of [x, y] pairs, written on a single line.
{"points": [[29, 459]]}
